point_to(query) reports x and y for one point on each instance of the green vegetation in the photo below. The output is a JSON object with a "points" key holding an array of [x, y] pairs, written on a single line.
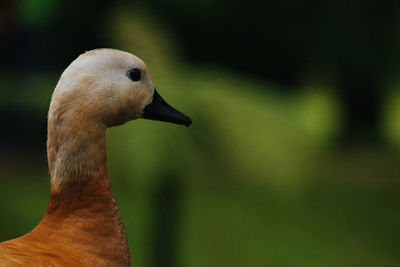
{"points": [[260, 182]]}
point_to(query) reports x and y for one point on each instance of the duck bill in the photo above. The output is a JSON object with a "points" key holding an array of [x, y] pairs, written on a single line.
{"points": [[159, 110]]}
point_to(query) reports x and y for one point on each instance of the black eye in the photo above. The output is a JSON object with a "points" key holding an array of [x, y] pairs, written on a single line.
{"points": [[135, 74]]}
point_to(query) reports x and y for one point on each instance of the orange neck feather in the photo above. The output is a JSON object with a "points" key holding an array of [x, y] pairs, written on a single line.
{"points": [[82, 213], [83, 220]]}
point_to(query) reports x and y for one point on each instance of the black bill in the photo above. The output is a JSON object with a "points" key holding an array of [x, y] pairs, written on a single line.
{"points": [[159, 110]]}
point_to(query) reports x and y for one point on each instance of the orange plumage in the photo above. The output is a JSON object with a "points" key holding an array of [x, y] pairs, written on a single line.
{"points": [[81, 226]]}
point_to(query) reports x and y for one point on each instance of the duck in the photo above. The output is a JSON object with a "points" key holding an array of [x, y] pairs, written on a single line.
{"points": [[82, 225]]}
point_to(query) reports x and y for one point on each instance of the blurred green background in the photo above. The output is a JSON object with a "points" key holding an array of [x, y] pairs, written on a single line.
{"points": [[293, 155]]}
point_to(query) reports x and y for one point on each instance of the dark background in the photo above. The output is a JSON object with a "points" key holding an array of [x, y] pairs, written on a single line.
{"points": [[292, 158]]}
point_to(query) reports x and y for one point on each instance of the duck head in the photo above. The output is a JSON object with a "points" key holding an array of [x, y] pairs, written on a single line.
{"points": [[111, 87]]}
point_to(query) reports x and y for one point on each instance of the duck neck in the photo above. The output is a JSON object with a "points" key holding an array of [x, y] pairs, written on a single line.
{"points": [[82, 205], [76, 151]]}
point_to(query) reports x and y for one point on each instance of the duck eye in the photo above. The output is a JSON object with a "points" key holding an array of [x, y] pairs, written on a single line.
{"points": [[135, 74]]}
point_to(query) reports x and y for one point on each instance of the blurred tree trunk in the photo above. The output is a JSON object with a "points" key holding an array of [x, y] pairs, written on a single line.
{"points": [[362, 100], [167, 208]]}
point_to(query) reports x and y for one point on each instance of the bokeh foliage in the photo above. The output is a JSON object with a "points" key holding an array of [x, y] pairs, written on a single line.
{"points": [[257, 180]]}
